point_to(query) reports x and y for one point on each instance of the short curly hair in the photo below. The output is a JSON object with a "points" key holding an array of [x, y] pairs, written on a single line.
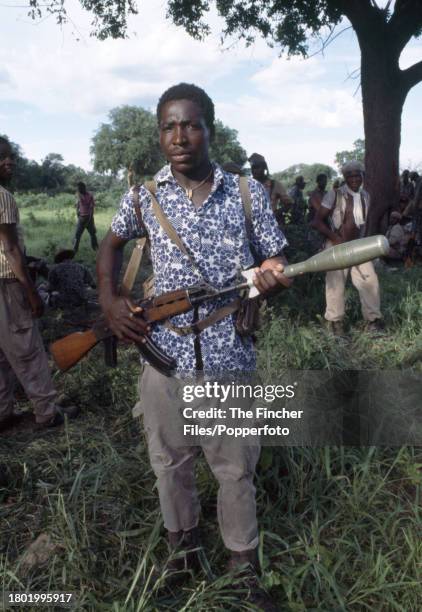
{"points": [[188, 91]]}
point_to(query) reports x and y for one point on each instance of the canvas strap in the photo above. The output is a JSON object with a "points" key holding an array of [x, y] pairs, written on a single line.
{"points": [[199, 326], [132, 267], [136, 256], [245, 194]]}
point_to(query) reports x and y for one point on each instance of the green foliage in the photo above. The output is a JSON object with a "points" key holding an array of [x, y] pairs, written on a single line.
{"points": [[52, 176], [129, 142], [288, 23], [308, 171], [108, 199], [34, 221], [110, 16], [225, 147], [28, 200], [56, 215], [52, 173], [357, 153]]}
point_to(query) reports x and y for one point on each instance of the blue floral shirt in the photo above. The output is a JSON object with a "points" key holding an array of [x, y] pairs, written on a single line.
{"points": [[215, 237]]}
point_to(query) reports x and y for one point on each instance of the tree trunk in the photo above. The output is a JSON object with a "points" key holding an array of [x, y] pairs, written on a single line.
{"points": [[383, 96]]}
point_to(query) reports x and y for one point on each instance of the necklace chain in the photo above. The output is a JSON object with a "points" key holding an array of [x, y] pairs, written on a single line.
{"points": [[189, 190]]}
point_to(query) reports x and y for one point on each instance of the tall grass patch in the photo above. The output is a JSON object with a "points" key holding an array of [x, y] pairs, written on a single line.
{"points": [[340, 527]]}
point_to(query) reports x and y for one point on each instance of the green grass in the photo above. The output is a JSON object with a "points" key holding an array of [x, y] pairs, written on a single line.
{"points": [[49, 228], [340, 527]]}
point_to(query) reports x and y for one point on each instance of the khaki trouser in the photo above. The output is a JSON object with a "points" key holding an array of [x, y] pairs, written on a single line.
{"points": [[232, 464], [22, 354], [365, 279]]}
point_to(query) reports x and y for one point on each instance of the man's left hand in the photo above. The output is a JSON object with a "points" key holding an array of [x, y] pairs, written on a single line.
{"points": [[269, 278]]}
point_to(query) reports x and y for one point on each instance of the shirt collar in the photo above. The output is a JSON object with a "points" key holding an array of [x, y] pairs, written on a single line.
{"points": [[165, 176]]}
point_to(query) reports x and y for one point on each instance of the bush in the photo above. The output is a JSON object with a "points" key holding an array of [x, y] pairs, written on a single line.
{"points": [[43, 200], [108, 199], [32, 200]]}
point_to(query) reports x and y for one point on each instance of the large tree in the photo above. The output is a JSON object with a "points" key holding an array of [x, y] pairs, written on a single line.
{"points": [[128, 142], [383, 29]]}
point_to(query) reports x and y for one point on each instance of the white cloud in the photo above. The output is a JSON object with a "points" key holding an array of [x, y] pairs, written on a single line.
{"points": [[93, 79], [91, 76], [291, 71], [286, 117]]}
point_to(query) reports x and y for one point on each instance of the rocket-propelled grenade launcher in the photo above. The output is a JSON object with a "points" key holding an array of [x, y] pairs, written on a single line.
{"points": [[70, 349], [337, 257]]}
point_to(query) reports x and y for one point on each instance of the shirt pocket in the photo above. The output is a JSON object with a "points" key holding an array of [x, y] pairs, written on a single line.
{"points": [[20, 315]]}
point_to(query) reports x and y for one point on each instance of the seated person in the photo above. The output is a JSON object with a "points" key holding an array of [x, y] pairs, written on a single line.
{"points": [[37, 267], [396, 236], [67, 282]]}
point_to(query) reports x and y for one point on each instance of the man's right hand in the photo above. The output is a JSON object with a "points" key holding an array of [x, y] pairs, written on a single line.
{"points": [[36, 303], [125, 320]]}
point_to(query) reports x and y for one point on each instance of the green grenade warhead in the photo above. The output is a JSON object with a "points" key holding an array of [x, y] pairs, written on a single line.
{"points": [[342, 256]]}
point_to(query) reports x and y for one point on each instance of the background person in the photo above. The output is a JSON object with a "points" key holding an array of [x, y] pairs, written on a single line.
{"points": [[396, 237], [346, 211], [315, 239], [298, 207], [276, 193], [22, 352], [85, 213], [68, 282], [407, 190]]}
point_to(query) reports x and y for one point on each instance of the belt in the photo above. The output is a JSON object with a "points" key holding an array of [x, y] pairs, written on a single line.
{"points": [[6, 281]]}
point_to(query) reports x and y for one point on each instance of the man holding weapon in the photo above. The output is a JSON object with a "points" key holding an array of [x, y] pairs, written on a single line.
{"points": [[203, 205], [201, 233]]}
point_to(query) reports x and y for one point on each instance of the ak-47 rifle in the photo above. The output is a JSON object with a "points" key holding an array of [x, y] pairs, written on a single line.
{"points": [[70, 349]]}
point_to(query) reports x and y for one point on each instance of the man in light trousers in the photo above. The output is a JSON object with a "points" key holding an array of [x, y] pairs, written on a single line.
{"points": [[342, 217]]}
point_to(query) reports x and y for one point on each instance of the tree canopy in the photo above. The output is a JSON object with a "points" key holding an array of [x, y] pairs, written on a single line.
{"points": [[52, 175], [308, 171], [225, 147], [109, 16], [358, 153], [128, 142]]}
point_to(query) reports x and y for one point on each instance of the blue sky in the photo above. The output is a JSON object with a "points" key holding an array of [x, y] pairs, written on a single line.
{"points": [[58, 84]]}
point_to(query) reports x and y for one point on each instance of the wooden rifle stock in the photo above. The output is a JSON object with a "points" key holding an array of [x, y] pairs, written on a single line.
{"points": [[69, 350]]}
